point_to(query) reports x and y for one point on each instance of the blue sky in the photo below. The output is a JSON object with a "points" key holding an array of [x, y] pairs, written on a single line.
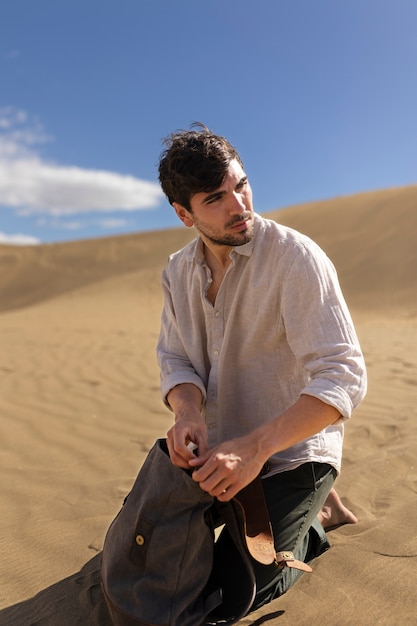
{"points": [[319, 97]]}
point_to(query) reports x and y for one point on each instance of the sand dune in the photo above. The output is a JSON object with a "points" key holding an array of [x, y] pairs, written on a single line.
{"points": [[80, 407], [32, 274], [371, 237]]}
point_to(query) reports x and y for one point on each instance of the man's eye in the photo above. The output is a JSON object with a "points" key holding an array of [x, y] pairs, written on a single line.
{"points": [[212, 200]]}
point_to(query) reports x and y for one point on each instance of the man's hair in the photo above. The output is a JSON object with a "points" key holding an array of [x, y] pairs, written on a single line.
{"points": [[194, 161]]}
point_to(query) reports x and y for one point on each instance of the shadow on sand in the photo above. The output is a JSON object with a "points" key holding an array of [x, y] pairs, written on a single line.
{"points": [[75, 601]]}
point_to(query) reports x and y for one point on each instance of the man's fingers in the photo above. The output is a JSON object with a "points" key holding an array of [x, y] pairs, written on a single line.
{"points": [[179, 454]]}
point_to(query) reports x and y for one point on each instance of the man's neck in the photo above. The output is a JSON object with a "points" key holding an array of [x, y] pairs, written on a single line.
{"points": [[217, 257]]}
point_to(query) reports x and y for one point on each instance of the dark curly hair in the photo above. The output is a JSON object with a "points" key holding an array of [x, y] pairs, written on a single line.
{"points": [[194, 160]]}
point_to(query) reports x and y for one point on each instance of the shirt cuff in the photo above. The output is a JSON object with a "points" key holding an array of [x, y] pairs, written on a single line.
{"points": [[179, 378]]}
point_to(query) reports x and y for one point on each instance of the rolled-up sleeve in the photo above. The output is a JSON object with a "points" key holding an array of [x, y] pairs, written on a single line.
{"points": [[174, 362], [321, 333]]}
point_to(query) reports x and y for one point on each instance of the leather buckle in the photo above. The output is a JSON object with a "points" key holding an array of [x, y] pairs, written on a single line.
{"points": [[286, 559]]}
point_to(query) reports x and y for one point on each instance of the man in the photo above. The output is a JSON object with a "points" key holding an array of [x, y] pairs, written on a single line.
{"points": [[259, 359]]}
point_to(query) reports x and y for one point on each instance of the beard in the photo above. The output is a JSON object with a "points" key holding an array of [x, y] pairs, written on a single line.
{"points": [[232, 240], [228, 239]]}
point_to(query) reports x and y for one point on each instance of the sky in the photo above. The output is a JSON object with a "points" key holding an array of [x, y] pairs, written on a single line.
{"points": [[318, 96]]}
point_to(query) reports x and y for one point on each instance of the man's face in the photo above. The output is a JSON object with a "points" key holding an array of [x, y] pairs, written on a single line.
{"points": [[224, 216]]}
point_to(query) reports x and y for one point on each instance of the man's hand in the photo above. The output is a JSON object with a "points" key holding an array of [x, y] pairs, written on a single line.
{"points": [[182, 433], [185, 400], [226, 469]]}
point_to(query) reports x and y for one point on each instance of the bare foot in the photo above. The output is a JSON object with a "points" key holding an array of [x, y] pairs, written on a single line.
{"points": [[334, 513]]}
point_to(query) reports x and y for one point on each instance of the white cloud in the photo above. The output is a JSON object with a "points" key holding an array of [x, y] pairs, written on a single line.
{"points": [[31, 185], [112, 223], [9, 117], [57, 223], [74, 225], [18, 240], [61, 224]]}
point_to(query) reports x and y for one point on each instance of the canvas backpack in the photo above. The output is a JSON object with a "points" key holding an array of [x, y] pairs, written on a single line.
{"points": [[161, 564]]}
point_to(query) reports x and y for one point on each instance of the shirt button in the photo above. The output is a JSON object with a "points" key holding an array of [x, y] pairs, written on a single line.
{"points": [[211, 425], [217, 313], [216, 353]]}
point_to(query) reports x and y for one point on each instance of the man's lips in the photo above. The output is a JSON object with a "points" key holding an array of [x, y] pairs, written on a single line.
{"points": [[242, 224]]}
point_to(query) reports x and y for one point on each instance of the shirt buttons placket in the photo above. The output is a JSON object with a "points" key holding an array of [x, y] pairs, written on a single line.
{"points": [[217, 335]]}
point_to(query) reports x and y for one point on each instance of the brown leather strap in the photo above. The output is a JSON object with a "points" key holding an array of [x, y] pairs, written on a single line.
{"points": [[257, 527], [286, 558], [258, 530]]}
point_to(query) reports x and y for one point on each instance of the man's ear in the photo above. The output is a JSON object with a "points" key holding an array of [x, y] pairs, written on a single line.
{"points": [[184, 215]]}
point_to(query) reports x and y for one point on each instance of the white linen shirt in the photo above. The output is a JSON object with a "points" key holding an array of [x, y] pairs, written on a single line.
{"points": [[279, 328]]}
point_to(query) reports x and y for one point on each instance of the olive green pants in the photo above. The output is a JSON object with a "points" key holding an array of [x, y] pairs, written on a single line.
{"points": [[294, 498]]}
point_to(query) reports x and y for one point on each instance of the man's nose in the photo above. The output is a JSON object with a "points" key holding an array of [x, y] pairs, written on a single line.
{"points": [[237, 203]]}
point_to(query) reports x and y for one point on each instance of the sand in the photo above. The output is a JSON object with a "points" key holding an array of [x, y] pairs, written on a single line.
{"points": [[80, 407]]}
